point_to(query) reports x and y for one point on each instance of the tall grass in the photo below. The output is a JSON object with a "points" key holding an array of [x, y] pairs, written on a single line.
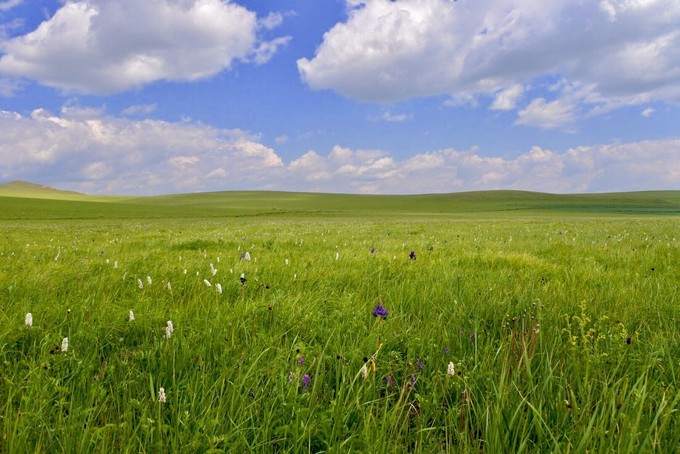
{"points": [[564, 336]]}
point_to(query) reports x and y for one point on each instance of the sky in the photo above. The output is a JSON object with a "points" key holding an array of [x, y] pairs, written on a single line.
{"points": [[344, 96]]}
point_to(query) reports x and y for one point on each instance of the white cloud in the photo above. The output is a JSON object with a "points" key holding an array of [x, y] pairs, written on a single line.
{"points": [[507, 99], [647, 112], [266, 50], [271, 21], [546, 115], [9, 4], [115, 155], [140, 110], [103, 47], [88, 150], [611, 53], [398, 118], [614, 167]]}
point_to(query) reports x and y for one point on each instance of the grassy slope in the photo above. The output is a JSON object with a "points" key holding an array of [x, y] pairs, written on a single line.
{"points": [[20, 200]]}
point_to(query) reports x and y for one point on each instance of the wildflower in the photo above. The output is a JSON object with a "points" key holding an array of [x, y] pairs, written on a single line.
{"points": [[207, 283], [364, 371], [379, 311], [107, 261], [390, 381], [185, 271], [337, 255], [64, 344], [169, 329], [132, 316], [286, 262], [420, 364], [214, 271], [305, 380], [412, 255], [139, 283], [246, 256], [115, 265], [451, 370], [219, 288], [372, 250], [446, 351], [301, 361], [290, 376], [29, 319], [148, 279], [161, 395], [169, 286], [243, 279]]}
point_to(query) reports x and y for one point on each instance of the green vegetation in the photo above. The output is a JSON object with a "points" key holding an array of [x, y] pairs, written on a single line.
{"points": [[20, 200], [559, 318]]}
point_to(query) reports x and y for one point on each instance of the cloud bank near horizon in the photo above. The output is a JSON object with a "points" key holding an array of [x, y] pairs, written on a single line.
{"points": [[91, 151]]}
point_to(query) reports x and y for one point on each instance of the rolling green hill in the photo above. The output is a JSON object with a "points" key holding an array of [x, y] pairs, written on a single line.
{"points": [[22, 200]]}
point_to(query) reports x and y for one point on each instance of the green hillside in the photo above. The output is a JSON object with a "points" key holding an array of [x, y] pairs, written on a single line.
{"points": [[21, 200]]}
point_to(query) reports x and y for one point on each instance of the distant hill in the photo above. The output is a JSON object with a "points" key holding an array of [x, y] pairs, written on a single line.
{"points": [[23, 200], [27, 189]]}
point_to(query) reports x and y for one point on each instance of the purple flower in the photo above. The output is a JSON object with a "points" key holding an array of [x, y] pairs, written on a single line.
{"points": [[446, 350], [305, 380], [420, 364], [379, 311], [412, 255], [412, 384], [390, 381], [372, 250], [301, 361]]}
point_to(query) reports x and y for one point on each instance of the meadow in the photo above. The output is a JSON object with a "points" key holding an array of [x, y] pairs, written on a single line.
{"points": [[512, 323]]}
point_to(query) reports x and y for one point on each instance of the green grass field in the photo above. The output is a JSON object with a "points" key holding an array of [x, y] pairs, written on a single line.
{"points": [[558, 317]]}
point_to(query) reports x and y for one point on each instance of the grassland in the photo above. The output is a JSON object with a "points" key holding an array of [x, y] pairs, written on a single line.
{"points": [[558, 315]]}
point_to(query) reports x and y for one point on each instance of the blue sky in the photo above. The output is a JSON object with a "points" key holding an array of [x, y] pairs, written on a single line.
{"points": [[375, 96]]}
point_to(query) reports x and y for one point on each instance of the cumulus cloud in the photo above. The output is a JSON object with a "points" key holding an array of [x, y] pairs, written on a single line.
{"points": [[103, 47], [600, 168], [88, 150], [611, 53]]}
